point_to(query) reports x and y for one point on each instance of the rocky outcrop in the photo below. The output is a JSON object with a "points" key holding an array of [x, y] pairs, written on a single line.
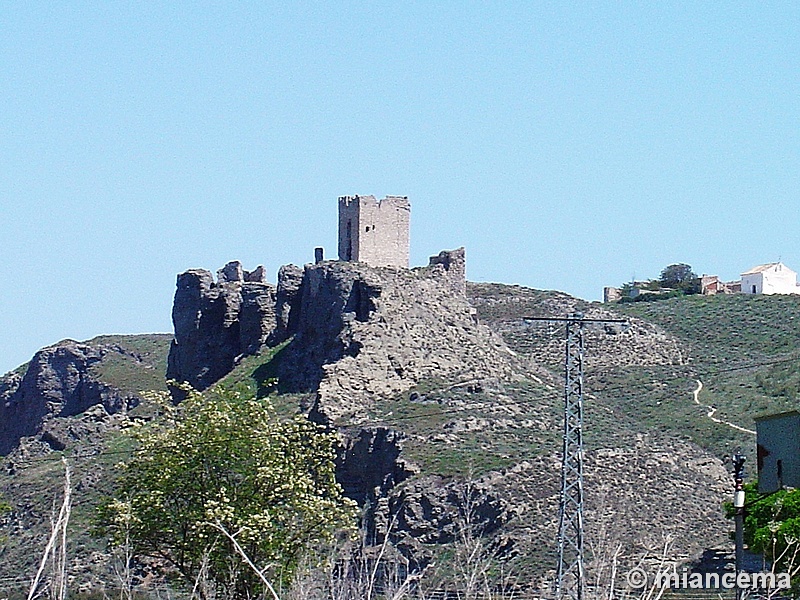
{"points": [[58, 382], [357, 332], [507, 308], [414, 511], [363, 333], [432, 511], [217, 322], [369, 465], [287, 303]]}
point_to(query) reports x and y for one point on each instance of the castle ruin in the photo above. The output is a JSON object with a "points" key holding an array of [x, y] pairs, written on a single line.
{"points": [[375, 232]]}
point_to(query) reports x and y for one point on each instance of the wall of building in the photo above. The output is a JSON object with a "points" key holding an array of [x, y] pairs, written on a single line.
{"points": [[374, 231], [752, 284], [778, 451], [781, 280], [348, 227], [776, 280]]}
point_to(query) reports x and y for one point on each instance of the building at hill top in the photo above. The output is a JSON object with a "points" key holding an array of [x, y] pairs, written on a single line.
{"points": [[771, 278], [374, 231]]}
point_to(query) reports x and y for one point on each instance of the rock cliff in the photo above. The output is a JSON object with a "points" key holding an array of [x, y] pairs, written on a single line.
{"points": [[363, 333], [217, 322], [58, 382], [355, 332]]}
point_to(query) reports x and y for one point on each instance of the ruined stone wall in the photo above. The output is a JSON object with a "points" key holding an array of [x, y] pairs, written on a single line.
{"points": [[454, 265], [373, 231]]}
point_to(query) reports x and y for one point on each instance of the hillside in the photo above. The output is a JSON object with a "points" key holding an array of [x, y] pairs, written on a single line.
{"points": [[92, 387], [745, 351], [435, 394]]}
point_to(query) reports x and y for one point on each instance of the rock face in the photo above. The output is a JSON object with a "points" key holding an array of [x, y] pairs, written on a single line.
{"points": [[357, 332], [58, 383], [216, 322], [369, 464], [414, 511], [287, 303], [430, 510], [363, 333]]}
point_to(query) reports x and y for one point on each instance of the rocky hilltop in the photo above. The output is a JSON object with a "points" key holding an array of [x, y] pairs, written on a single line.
{"points": [[218, 322], [61, 381], [447, 399], [352, 333]]}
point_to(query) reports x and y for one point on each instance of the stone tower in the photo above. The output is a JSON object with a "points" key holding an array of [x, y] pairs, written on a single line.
{"points": [[374, 231]]}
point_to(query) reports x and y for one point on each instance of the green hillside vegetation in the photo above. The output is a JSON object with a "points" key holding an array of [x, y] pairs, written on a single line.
{"points": [[32, 483], [141, 365], [746, 351], [258, 372], [725, 328]]}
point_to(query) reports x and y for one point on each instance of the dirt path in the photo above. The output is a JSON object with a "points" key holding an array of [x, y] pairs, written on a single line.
{"points": [[713, 409]]}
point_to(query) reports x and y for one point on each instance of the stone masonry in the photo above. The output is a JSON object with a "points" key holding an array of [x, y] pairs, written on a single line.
{"points": [[375, 232]]}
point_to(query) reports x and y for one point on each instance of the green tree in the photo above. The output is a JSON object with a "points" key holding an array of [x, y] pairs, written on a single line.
{"points": [[772, 527], [222, 465], [680, 277]]}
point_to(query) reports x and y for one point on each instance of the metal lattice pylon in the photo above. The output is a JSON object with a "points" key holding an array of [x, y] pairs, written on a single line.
{"points": [[571, 579], [570, 526]]}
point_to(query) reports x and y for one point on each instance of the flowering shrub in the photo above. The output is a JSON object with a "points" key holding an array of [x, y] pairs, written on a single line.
{"points": [[222, 461]]}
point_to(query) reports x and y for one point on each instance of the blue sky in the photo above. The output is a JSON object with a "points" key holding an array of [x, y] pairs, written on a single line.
{"points": [[567, 145]]}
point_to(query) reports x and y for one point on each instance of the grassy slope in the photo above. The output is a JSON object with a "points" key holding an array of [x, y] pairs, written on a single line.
{"points": [[744, 349], [140, 367]]}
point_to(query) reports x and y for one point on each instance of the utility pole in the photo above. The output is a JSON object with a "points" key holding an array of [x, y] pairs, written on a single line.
{"points": [[738, 507], [571, 578]]}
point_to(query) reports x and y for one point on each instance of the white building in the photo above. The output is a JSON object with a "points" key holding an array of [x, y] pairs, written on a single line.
{"points": [[772, 278]]}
